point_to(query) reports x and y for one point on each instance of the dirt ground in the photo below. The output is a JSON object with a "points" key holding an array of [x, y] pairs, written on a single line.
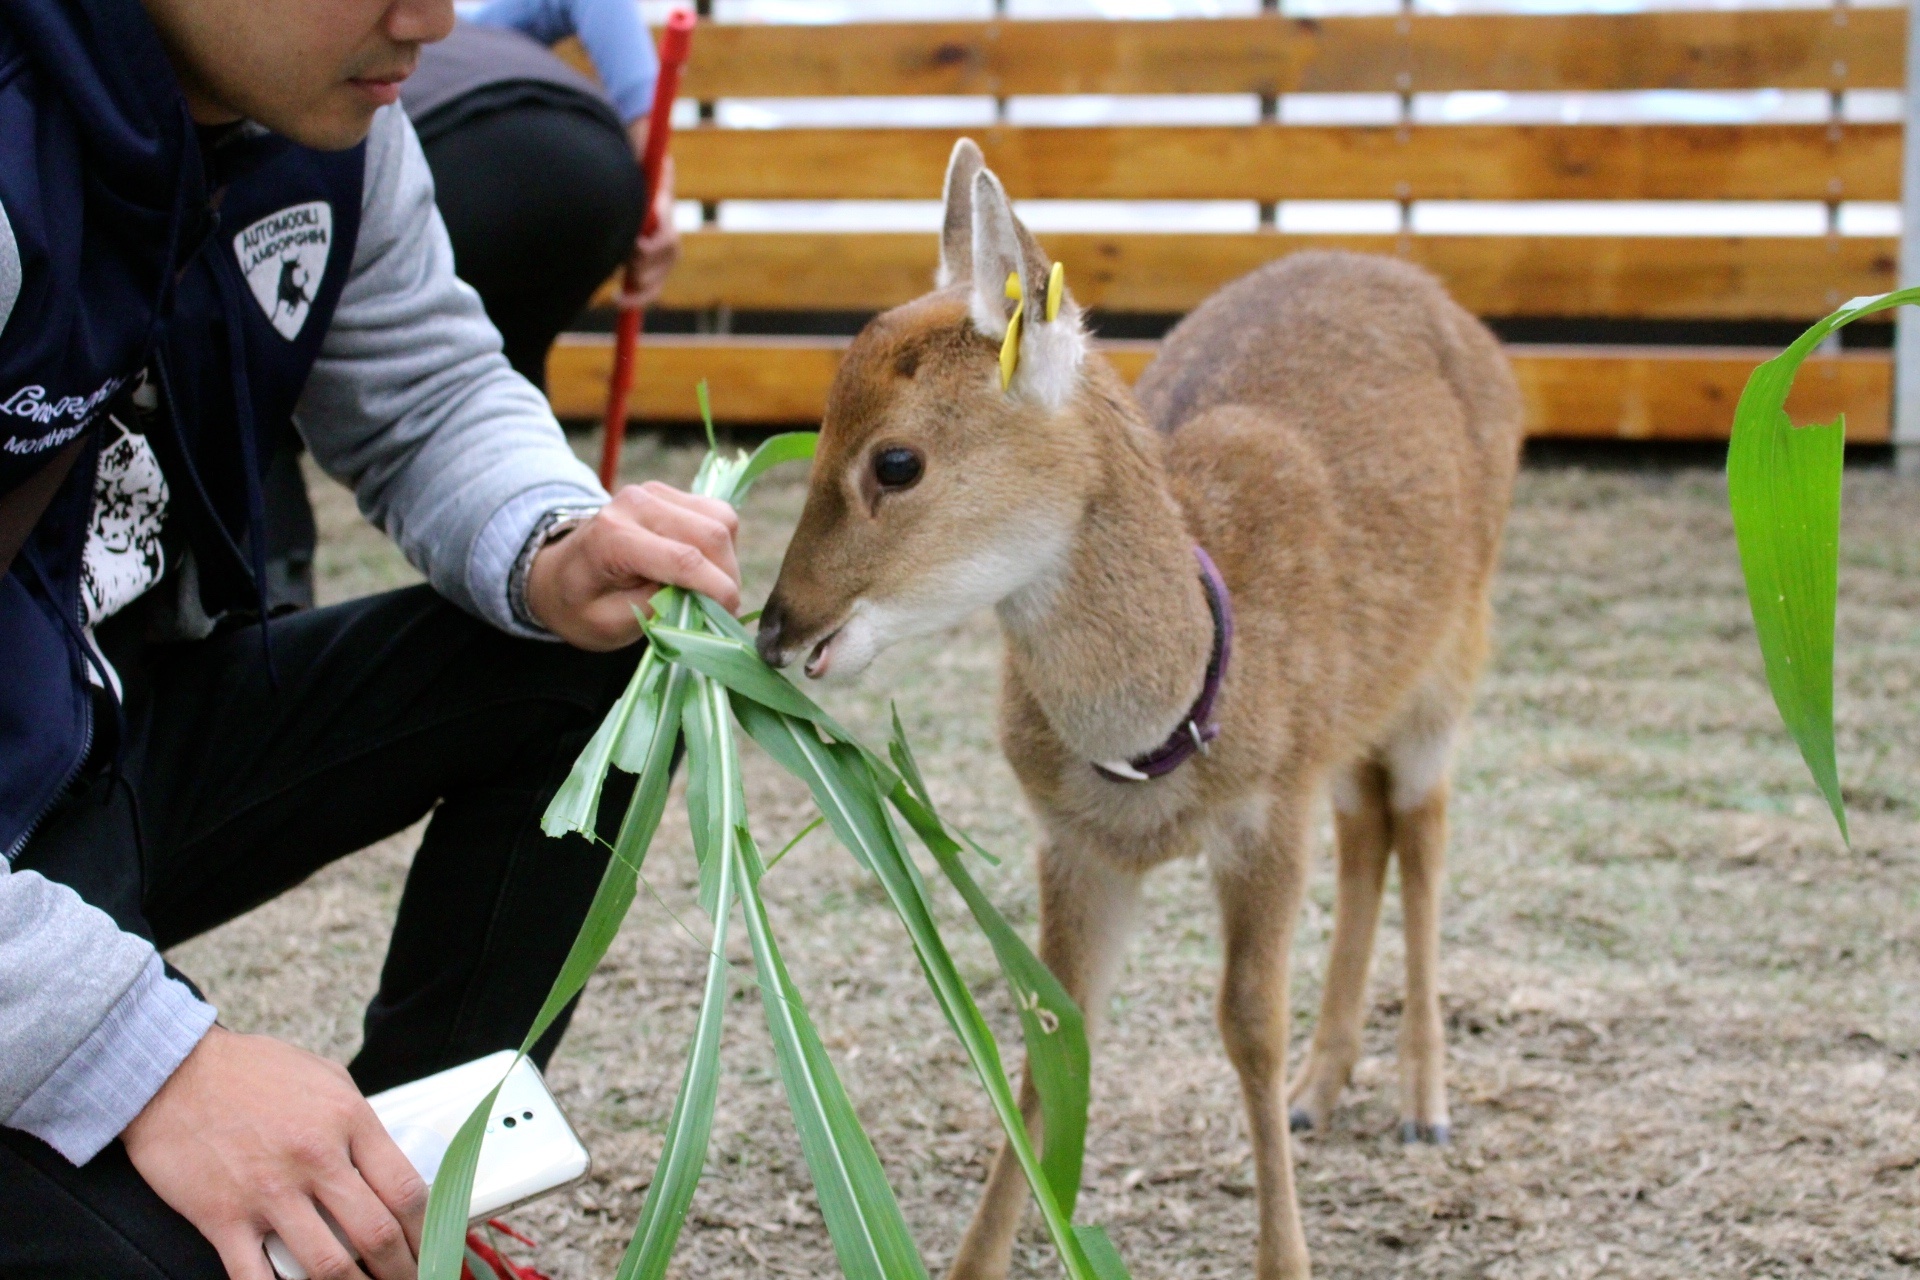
{"points": [[1684, 1018]]}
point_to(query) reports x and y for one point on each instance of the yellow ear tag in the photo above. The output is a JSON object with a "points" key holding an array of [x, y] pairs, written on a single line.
{"points": [[1056, 289], [1010, 348]]}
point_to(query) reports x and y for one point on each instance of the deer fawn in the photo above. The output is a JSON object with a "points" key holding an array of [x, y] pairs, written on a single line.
{"points": [[1340, 439]]}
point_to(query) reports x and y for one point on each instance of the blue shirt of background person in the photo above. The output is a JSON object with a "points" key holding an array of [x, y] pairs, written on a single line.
{"points": [[615, 37]]}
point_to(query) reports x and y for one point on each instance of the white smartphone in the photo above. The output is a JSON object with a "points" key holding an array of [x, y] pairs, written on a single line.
{"points": [[530, 1149]]}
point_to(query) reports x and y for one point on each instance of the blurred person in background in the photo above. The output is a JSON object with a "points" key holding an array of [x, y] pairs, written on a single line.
{"points": [[536, 171]]}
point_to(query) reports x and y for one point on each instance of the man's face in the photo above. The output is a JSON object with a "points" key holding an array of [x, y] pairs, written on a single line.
{"points": [[314, 71]]}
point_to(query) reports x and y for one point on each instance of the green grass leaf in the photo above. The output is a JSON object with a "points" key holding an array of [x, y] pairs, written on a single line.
{"points": [[734, 663], [683, 1153], [790, 446], [576, 805], [1783, 485], [798, 836], [442, 1239], [870, 1238], [706, 412], [1050, 1022], [848, 786], [1101, 1255]]}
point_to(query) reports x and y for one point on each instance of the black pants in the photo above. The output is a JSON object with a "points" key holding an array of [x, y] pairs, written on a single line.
{"points": [[542, 202], [233, 791]]}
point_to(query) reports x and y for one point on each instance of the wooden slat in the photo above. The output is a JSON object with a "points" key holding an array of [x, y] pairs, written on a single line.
{"points": [[1677, 393], [1814, 48], [1281, 162], [1594, 392], [1615, 276]]}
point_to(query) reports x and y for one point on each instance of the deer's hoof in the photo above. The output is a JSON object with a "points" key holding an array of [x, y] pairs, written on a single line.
{"points": [[1433, 1135], [1298, 1121]]}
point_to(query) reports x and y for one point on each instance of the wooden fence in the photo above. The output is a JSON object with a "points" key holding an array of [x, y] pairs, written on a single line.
{"points": [[1593, 391]]}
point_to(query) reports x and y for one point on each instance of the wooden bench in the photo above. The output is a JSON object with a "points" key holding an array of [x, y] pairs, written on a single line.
{"points": [[1593, 391]]}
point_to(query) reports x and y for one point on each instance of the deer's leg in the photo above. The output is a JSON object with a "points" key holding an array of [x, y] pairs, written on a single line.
{"points": [[1087, 906], [1420, 840], [1259, 881], [1365, 835]]}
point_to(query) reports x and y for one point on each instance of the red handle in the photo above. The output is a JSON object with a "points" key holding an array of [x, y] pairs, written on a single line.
{"points": [[676, 41]]}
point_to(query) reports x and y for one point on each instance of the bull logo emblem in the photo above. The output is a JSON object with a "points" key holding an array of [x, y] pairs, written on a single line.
{"points": [[294, 278], [284, 258]]}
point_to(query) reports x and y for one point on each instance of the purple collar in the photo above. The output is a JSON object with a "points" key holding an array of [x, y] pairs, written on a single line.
{"points": [[1198, 728]]}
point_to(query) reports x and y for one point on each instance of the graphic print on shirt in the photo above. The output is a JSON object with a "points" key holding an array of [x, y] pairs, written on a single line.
{"points": [[283, 257], [123, 556]]}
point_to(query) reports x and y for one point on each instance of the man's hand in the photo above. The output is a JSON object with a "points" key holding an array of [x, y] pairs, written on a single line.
{"points": [[653, 255], [583, 587], [251, 1136]]}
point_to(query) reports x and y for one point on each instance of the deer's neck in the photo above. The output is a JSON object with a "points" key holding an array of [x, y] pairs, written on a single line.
{"points": [[1114, 645]]}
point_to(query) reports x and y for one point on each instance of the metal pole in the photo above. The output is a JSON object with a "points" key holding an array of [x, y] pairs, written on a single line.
{"points": [[1906, 350]]}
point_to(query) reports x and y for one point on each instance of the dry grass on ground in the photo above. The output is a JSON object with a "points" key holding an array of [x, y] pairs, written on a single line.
{"points": [[1685, 1020]]}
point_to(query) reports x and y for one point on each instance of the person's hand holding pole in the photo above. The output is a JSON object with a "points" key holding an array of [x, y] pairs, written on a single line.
{"points": [[656, 248], [676, 41]]}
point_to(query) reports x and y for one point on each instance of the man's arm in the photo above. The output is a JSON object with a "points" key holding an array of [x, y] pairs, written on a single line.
{"points": [[90, 1025], [412, 404], [457, 456]]}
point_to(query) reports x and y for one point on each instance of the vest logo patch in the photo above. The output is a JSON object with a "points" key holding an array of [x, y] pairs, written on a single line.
{"points": [[283, 257]]}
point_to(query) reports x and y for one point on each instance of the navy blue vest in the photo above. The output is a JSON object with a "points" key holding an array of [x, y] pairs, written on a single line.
{"points": [[216, 270]]}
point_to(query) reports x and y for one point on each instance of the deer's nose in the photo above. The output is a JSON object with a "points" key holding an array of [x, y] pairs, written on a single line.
{"points": [[773, 619]]}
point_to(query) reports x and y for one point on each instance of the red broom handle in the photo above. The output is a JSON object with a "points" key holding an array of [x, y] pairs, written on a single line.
{"points": [[675, 42]]}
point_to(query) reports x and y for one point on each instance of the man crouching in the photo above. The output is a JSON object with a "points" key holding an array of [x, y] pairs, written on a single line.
{"points": [[216, 227]]}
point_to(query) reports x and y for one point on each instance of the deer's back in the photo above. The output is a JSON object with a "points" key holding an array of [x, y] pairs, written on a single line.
{"points": [[1346, 436]]}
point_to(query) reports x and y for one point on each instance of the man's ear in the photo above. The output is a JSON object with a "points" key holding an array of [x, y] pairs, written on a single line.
{"points": [[1052, 345], [956, 224]]}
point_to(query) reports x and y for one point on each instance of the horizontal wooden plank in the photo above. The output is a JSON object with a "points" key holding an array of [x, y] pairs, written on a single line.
{"points": [[1642, 393], [1808, 48], [1613, 276], [1287, 162], [1677, 393]]}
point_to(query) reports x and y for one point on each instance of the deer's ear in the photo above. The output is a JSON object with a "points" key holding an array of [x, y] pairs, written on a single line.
{"points": [[1043, 365], [996, 253], [956, 224]]}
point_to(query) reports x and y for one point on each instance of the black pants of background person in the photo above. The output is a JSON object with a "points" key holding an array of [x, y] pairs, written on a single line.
{"points": [[232, 791], [542, 201]]}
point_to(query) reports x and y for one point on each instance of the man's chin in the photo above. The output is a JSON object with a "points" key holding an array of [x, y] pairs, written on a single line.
{"points": [[342, 122]]}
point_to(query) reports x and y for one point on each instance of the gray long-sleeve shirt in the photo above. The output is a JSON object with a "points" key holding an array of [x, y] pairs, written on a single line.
{"points": [[447, 449]]}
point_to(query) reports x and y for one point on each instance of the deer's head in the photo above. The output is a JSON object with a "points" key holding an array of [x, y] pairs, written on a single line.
{"points": [[940, 485]]}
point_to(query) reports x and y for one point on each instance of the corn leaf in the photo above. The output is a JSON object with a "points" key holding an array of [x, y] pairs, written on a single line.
{"points": [[441, 1240], [734, 663], [1783, 484], [715, 805], [576, 805], [791, 446], [683, 1153], [443, 1236], [1050, 1022], [630, 750], [706, 413], [798, 836], [848, 792], [870, 1237], [1101, 1255]]}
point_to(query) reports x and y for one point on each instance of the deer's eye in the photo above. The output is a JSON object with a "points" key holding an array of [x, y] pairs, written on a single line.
{"points": [[897, 468]]}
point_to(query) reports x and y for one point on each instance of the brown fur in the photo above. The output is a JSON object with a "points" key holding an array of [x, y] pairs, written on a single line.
{"points": [[1342, 440]]}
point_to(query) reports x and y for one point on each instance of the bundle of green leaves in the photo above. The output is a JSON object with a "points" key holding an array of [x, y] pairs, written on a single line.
{"points": [[1783, 483], [700, 683]]}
